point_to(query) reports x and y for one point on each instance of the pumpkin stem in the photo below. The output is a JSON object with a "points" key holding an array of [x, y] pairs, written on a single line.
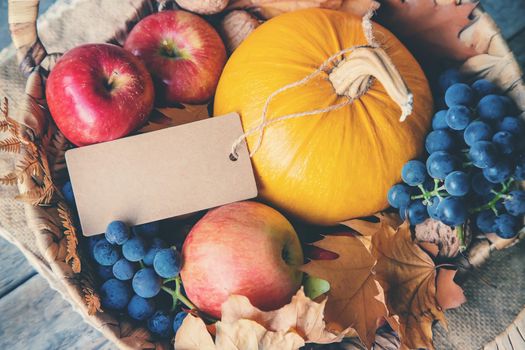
{"points": [[352, 77]]}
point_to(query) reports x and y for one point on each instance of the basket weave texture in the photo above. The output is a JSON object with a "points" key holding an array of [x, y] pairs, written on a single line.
{"points": [[40, 234]]}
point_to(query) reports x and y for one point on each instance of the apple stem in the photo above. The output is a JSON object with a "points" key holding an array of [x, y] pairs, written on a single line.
{"points": [[177, 295], [111, 80]]}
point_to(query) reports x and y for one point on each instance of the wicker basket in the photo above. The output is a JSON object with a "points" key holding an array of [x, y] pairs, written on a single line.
{"points": [[59, 257]]}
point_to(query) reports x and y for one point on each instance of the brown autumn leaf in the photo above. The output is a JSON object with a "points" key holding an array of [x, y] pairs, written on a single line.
{"points": [[166, 117], [428, 29], [243, 326], [367, 227], [355, 298], [408, 276], [448, 294]]}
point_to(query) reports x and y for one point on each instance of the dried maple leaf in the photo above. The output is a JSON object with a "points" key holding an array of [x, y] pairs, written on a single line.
{"points": [[408, 276], [166, 117], [448, 294], [302, 314], [355, 297], [243, 326], [429, 30], [248, 334], [367, 227], [193, 335], [271, 8]]}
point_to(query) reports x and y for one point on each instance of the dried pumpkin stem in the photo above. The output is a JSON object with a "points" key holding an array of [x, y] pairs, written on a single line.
{"points": [[353, 75]]}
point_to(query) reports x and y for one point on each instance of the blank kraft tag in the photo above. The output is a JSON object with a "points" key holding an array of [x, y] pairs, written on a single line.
{"points": [[161, 174]]}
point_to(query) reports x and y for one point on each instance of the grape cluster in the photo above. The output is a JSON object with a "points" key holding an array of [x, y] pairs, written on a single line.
{"points": [[135, 265], [475, 156]]}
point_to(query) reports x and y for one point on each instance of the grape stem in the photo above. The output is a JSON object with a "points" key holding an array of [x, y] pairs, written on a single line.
{"points": [[177, 295], [427, 195], [497, 196]]}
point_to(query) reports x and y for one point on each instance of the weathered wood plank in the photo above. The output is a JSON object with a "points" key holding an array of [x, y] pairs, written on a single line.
{"points": [[36, 317], [15, 269], [508, 14]]}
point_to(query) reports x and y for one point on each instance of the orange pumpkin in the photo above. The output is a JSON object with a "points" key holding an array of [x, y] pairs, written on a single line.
{"points": [[327, 167]]}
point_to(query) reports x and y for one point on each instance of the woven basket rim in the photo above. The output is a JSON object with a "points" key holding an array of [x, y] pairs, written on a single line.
{"points": [[31, 54]]}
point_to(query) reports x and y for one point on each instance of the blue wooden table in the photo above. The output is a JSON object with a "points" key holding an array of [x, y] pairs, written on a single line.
{"points": [[33, 316]]}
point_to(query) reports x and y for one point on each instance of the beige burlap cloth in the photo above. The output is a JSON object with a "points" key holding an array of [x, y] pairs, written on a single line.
{"points": [[495, 292]]}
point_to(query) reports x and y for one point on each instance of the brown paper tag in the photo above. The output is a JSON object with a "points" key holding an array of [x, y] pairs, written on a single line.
{"points": [[161, 174]]}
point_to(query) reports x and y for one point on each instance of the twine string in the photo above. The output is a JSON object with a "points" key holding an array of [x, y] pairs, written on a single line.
{"points": [[406, 106], [264, 122]]}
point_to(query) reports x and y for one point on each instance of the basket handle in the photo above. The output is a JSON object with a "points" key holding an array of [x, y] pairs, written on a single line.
{"points": [[22, 16]]}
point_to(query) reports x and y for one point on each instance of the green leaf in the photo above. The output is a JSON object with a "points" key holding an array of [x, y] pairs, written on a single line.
{"points": [[314, 286]]}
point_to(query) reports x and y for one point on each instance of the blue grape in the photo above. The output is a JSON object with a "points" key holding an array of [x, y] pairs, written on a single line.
{"points": [[505, 142], [486, 221], [167, 263], [156, 245], [513, 125], [510, 106], [498, 173], [480, 185], [439, 121], [146, 283], [440, 164], [439, 140], [491, 107], [69, 196], [177, 321], [515, 203], [459, 94], [115, 294], [403, 213], [519, 172], [483, 154], [161, 324], [452, 211], [414, 172], [483, 87], [105, 272], [477, 131], [448, 78], [134, 249], [91, 241], [457, 183], [105, 253], [117, 232], [506, 226], [124, 270], [432, 207], [458, 117], [150, 229], [399, 196], [140, 308], [417, 212]]}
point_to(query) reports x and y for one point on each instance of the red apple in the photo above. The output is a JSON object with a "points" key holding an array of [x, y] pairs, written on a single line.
{"points": [[244, 248], [99, 92], [183, 53]]}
